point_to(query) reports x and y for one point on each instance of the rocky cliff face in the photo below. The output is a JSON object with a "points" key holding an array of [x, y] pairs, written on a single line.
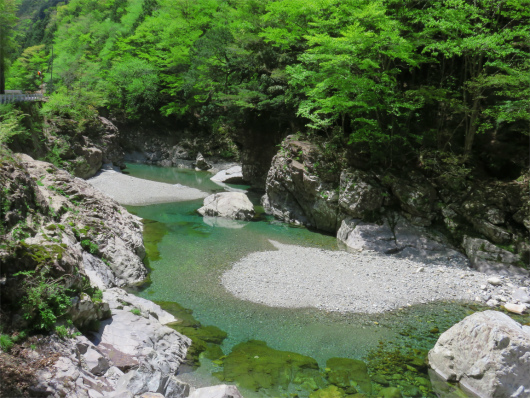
{"points": [[60, 229], [375, 209], [175, 148], [294, 191]]}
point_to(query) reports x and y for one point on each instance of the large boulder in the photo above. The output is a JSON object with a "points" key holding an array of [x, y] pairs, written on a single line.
{"points": [[488, 353], [416, 197], [88, 162], [233, 205], [295, 192], [232, 175]]}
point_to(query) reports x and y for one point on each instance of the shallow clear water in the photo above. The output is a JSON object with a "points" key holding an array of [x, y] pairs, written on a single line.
{"points": [[193, 256]]}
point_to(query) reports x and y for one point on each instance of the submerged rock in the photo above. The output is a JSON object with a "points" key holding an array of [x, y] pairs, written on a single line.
{"points": [[254, 366], [488, 353], [349, 374], [328, 392], [232, 205], [389, 392]]}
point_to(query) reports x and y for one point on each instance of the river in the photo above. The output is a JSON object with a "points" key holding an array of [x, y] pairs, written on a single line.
{"points": [[189, 255]]}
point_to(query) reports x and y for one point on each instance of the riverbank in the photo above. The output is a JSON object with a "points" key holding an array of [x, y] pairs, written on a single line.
{"points": [[364, 282], [132, 191]]}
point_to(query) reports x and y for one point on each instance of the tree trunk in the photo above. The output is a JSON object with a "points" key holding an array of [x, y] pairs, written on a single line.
{"points": [[472, 127]]}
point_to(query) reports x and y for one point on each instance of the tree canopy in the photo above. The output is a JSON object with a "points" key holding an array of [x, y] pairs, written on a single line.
{"points": [[8, 19], [379, 74]]}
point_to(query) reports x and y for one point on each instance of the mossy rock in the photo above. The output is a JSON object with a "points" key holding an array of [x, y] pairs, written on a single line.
{"points": [[418, 360], [196, 348], [204, 339], [208, 334], [184, 315], [411, 391], [328, 392], [255, 366], [349, 374], [213, 352], [389, 392], [422, 381], [380, 380]]}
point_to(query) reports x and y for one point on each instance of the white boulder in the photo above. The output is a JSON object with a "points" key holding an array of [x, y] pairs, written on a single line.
{"points": [[233, 205], [488, 353], [232, 175]]}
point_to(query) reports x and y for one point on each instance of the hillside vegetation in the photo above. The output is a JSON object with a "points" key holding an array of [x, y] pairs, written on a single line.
{"points": [[387, 80]]}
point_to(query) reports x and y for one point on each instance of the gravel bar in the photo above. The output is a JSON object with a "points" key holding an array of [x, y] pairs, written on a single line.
{"points": [[364, 282], [127, 190]]}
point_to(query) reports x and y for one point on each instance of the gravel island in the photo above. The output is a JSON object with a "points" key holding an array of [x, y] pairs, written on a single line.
{"points": [[364, 282]]}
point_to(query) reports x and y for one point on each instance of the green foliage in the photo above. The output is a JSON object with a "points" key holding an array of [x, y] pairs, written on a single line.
{"points": [[11, 124], [45, 299], [6, 343], [73, 109], [8, 10], [5, 205], [23, 72], [97, 296], [136, 311], [90, 246], [385, 78], [62, 331], [132, 86]]}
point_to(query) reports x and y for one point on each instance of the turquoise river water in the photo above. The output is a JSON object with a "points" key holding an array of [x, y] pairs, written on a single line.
{"points": [[193, 256]]}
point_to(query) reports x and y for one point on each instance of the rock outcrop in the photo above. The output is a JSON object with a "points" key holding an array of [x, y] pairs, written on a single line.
{"points": [[81, 236], [129, 355], [100, 224], [489, 258], [201, 163], [297, 195], [488, 353], [175, 148], [84, 153], [488, 221], [397, 236], [232, 205]]}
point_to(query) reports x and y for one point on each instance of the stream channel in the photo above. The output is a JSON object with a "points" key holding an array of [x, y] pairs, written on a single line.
{"points": [[187, 257]]}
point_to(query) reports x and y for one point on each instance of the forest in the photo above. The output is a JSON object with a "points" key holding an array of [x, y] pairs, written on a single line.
{"points": [[388, 80]]}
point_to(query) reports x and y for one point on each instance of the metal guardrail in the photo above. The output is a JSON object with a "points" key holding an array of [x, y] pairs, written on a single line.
{"points": [[10, 98]]}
